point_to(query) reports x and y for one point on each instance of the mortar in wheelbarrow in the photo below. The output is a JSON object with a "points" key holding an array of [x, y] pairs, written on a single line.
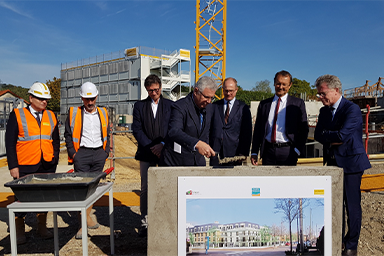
{"points": [[53, 187]]}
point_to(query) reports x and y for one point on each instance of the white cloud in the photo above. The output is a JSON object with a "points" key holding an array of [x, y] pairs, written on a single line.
{"points": [[15, 9], [102, 5], [115, 13]]}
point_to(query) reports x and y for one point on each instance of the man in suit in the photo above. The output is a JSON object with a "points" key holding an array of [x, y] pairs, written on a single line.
{"points": [[188, 130], [150, 126], [231, 128], [339, 129], [281, 126]]}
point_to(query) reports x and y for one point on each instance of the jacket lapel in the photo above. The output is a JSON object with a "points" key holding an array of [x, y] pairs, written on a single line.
{"points": [[220, 106], [234, 110], [192, 113], [339, 110], [266, 114]]}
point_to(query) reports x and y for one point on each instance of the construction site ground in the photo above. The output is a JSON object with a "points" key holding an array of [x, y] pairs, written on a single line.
{"points": [[126, 191]]}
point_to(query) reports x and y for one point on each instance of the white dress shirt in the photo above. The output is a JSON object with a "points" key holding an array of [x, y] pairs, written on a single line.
{"points": [[154, 107], [91, 137], [335, 106], [280, 123], [230, 105], [33, 112]]}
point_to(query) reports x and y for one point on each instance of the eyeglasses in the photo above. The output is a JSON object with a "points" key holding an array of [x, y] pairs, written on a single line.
{"points": [[206, 97], [90, 99], [153, 90], [322, 94], [41, 99]]}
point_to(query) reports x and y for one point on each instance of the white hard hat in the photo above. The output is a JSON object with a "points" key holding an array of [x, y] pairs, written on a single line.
{"points": [[40, 90], [88, 90]]}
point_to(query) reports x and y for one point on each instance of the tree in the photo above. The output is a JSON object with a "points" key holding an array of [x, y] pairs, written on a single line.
{"points": [[265, 235], [290, 208], [18, 90], [302, 87], [275, 232], [54, 88], [262, 86], [248, 96]]}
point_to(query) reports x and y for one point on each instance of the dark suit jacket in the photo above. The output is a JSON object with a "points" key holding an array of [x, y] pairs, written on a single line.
{"points": [[184, 129], [234, 137], [296, 125], [345, 128], [11, 136], [139, 129]]}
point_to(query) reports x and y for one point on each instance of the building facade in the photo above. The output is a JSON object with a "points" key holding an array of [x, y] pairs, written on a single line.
{"points": [[237, 234], [119, 78]]}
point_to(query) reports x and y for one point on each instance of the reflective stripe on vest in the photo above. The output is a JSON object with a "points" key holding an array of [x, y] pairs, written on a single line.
{"points": [[33, 140], [104, 123]]}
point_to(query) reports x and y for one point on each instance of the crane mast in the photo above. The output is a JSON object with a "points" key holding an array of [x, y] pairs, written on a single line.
{"points": [[211, 17]]}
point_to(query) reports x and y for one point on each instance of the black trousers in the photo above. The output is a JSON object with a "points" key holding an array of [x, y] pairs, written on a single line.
{"points": [[144, 166], [352, 209], [278, 155], [352, 213], [89, 160]]}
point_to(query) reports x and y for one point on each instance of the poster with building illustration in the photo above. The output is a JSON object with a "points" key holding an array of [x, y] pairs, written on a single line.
{"points": [[226, 215]]}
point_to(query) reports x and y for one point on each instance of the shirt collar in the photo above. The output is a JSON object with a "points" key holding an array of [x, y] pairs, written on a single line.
{"points": [[93, 113], [33, 110], [152, 101], [230, 102], [336, 105], [283, 99]]}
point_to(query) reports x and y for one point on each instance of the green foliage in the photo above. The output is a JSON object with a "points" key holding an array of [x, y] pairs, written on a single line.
{"points": [[185, 88], [54, 88], [191, 238], [248, 96], [18, 90], [262, 86], [302, 87]]}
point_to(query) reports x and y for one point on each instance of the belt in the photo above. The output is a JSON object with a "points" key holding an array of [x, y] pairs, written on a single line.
{"points": [[279, 145], [92, 148]]}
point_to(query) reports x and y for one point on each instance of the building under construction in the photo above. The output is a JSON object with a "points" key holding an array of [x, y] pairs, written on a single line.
{"points": [[119, 78]]}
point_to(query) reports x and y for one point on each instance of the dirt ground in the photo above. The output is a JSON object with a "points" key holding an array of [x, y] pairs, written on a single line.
{"points": [[127, 219]]}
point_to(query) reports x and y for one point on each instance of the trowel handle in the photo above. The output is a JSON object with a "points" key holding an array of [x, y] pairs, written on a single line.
{"points": [[109, 170]]}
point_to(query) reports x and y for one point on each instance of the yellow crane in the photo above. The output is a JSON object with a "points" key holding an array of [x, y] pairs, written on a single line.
{"points": [[211, 23]]}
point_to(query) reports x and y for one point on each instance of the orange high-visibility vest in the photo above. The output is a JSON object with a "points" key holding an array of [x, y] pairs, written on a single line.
{"points": [[76, 125], [34, 139]]}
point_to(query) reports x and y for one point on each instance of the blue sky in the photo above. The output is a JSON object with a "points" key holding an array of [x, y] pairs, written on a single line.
{"points": [[259, 211], [307, 38]]}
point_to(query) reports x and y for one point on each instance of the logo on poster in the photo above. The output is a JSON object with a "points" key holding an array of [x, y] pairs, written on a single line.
{"points": [[255, 191], [192, 193]]}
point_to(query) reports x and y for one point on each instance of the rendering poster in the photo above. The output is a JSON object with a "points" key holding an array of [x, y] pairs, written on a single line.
{"points": [[241, 212]]}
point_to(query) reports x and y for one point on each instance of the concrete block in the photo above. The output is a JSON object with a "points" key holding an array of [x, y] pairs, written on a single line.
{"points": [[163, 189]]}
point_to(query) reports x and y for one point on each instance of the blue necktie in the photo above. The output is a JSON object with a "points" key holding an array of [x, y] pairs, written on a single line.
{"points": [[201, 121], [332, 112], [38, 118]]}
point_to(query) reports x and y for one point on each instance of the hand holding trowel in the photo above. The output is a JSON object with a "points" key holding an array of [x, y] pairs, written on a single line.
{"points": [[229, 159]]}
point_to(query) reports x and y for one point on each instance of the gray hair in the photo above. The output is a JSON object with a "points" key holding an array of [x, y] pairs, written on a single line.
{"points": [[206, 82], [332, 82]]}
